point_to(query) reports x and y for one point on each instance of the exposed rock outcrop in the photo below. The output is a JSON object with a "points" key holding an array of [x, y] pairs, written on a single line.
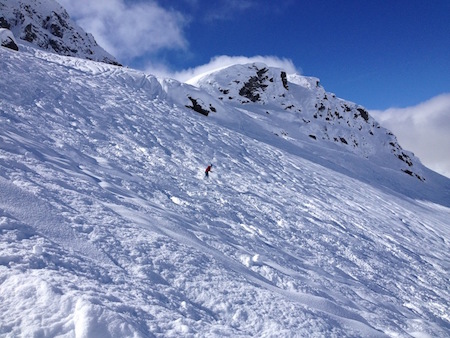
{"points": [[7, 39]]}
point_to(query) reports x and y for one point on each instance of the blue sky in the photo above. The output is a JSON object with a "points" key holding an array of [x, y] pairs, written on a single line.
{"points": [[377, 53], [382, 54]]}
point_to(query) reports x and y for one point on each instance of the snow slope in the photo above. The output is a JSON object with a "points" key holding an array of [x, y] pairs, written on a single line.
{"points": [[108, 227], [46, 25]]}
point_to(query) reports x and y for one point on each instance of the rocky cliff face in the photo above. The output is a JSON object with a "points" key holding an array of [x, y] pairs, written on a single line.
{"points": [[45, 24], [291, 105]]}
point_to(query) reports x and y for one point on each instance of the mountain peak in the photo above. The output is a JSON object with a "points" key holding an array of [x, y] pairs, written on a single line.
{"points": [[293, 106], [46, 25]]}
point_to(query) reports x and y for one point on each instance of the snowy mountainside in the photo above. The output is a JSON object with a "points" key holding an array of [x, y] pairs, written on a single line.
{"points": [[289, 104], [46, 24], [108, 227]]}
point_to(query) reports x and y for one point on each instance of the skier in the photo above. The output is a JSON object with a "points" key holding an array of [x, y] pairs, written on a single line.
{"points": [[207, 170]]}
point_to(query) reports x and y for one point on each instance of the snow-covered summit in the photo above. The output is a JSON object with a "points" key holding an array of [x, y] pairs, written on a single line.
{"points": [[292, 106], [46, 24]]}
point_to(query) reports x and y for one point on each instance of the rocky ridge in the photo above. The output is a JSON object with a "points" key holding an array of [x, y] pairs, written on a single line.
{"points": [[293, 105], [45, 24]]}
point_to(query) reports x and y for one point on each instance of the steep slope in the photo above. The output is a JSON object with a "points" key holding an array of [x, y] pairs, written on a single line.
{"points": [[109, 229], [45, 24]]}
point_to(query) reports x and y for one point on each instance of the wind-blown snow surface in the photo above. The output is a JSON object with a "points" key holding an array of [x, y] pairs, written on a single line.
{"points": [[109, 229]]}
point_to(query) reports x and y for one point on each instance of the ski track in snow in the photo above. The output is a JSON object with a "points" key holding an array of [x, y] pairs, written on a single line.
{"points": [[109, 228]]}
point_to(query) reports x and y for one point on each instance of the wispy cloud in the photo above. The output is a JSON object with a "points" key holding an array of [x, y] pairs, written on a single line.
{"points": [[224, 10], [129, 30], [423, 129], [223, 61]]}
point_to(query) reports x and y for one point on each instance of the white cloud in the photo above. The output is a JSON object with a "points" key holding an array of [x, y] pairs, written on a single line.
{"points": [[129, 30], [223, 61], [423, 129], [133, 30]]}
